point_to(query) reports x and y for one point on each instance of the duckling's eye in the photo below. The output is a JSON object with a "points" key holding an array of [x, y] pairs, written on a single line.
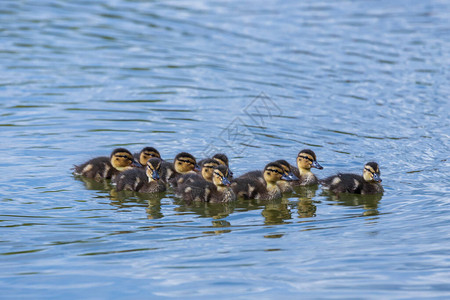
{"points": [[186, 161], [179, 163], [305, 157], [275, 171]]}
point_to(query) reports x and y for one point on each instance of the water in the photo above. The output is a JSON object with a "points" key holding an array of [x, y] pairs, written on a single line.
{"points": [[353, 80]]}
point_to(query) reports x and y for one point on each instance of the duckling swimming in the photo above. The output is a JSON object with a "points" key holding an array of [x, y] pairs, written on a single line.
{"points": [[206, 172], [250, 187], [183, 163], [145, 154], [199, 190], [139, 180], [222, 159], [306, 160], [104, 167], [368, 183], [284, 185]]}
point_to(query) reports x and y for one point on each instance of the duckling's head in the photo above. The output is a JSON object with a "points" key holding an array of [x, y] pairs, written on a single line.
{"points": [[147, 153], [185, 163], [220, 176], [208, 168], [274, 172], [371, 172], [306, 160], [287, 169], [153, 168], [222, 159], [122, 159]]}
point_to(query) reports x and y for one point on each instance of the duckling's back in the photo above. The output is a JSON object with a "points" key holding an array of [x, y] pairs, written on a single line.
{"points": [[137, 180], [344, 183], [97, 168], [248, 186], [196, 190], [167, 172], [131, 180]]}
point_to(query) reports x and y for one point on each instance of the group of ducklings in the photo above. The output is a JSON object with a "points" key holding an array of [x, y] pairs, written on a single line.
{"points": [[212, 181]]}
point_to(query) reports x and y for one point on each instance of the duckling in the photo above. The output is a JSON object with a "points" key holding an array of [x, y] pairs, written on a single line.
{"points": [[222, 159], [145, 154], [140, 180], [183, 163], [284, 185], [104, 167], [207, 170], [306, 160], [368, 183], [200, 190], [250, 187]]}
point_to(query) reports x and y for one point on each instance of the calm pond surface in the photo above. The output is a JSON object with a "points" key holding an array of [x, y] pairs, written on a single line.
{"points": [[354, 81]]}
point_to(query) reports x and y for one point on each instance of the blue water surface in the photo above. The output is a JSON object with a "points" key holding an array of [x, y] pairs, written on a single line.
{"points": [[354, 81]]}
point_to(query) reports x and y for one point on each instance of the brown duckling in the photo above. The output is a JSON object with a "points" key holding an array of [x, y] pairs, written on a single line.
{"points": [[206, 172], [284, 185], [140, 180], [368, 183], [104, 167], [199, 190], [183, 163], [222, 159], [250, 187], [145, 154], [306, 160]]}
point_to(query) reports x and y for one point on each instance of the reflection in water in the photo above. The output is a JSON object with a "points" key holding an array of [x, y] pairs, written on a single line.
{"points": [[219, 224], [154, 208], [306, 208], [91, 184], [126, 199], [276, 212], [305, 204], [205, 210], [368, 202]]}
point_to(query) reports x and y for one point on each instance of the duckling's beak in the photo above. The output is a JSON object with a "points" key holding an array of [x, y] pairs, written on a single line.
{"points": [[376, 177], [225, 181], [135, 163], [197, 168], [287, 178], [315, 164], [155, 175], [292, 176]]}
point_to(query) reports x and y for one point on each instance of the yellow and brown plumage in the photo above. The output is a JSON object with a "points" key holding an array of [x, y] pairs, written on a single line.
{"points": [[285, 186], [197, 189], [368, 183], [221, 159], [140, 180], [206, 172], [250, 186], [183, 163], [107, 167], [306, 159], [145, 154]]}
